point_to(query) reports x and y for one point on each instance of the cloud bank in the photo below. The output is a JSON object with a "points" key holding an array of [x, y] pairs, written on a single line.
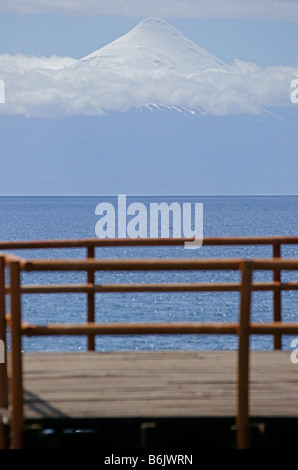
{"points": [[62, 86], [265, 9]]}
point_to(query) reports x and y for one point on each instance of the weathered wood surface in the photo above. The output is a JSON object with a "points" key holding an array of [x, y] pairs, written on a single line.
{"points": [[156, 384]]}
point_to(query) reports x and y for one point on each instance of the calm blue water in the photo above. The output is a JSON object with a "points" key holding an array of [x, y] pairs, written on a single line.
{"points": [[29, 218]]}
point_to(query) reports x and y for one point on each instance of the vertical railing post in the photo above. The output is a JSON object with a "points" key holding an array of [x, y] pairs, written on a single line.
{"points": [[17, 418], [91, 299], [243, 440], [277, 296], [3, 360]]}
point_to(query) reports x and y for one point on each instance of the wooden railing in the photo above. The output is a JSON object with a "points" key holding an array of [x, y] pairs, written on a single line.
{"points": [[243, 328], [276, 243]]}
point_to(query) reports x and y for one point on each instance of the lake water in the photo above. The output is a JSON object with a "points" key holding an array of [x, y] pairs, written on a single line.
{"points": [[29, 218]]}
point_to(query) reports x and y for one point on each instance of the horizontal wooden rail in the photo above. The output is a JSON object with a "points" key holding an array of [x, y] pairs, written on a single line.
{"points": [[113, 242], [131, 329], [92, 242], [281, 263], [131, 265], [150, 287], [156, 329], [272, 328], [245, 241], [155, 264]]}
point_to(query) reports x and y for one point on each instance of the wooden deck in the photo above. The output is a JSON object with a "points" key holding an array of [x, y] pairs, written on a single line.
{"points": [[155, 384]]}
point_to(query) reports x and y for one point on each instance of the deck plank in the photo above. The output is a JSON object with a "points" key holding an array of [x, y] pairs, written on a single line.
{"points": [[155, 384]]}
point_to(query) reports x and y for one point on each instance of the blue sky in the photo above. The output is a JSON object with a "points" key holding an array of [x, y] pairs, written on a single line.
{"points": [[151, 152], [261, 41]]}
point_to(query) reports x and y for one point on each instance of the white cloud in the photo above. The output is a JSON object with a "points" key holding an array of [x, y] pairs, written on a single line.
{"points": [[266, 9], [153, 64], [56, 86]]}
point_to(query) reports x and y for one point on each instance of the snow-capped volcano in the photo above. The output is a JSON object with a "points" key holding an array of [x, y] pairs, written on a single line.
{"points": [[154, 43], [152, 66]]}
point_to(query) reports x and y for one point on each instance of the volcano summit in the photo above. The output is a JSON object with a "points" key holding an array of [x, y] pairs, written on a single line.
{"points": [[156, 45]]}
